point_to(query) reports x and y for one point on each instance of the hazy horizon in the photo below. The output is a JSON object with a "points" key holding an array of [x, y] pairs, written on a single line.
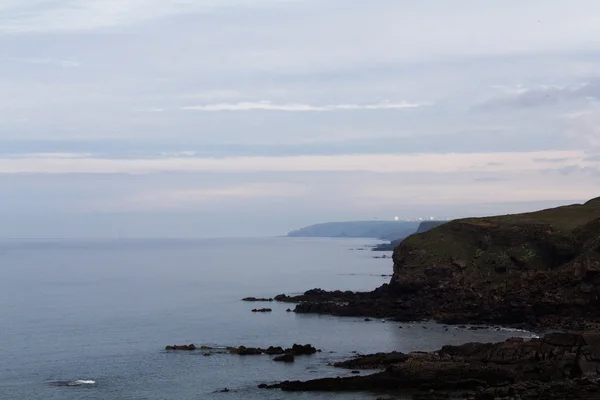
{"points": [[236, 118]]}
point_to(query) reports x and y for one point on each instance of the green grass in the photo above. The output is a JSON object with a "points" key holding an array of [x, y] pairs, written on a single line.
{"points": [[517, 242]]}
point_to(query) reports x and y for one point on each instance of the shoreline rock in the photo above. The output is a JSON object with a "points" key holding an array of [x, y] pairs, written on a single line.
{"points": [[559, 364], [296, 350], [257, 299], [261, 310], [185, 347], [535, 271]]}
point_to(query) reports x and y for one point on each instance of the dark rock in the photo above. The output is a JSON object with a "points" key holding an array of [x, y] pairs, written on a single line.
{"points": [[247, 351], [274, 350], [261, 310], [256, 299], [288, 358], [301, 350], [187, 347], [566, 365], [296, 349], [534, 270], [288, 310]]}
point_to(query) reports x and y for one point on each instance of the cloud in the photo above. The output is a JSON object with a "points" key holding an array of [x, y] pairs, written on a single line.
{"points": [[181, 199], [585, 129], [379, 163], [482, 192], [578, 169], [552, 160], [488, 179], [545, 95], [268, 106], [62, 63], [48, 155], [82, 15]]}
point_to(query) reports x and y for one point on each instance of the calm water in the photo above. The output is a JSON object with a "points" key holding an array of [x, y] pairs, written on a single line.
{"points": [[104, 310]]}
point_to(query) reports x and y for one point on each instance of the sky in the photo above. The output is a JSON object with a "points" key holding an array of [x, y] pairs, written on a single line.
{"points": [[222, 118]]}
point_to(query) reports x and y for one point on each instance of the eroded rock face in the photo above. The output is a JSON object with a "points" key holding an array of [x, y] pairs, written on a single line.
{"points": [[513, 365]]}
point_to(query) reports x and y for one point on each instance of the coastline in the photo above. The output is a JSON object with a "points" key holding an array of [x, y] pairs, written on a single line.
{"points": [[537, 271]]}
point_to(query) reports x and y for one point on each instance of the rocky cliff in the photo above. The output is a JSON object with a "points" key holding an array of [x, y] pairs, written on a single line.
{"points": [[535, 270], [541, 263], [396, 240]]}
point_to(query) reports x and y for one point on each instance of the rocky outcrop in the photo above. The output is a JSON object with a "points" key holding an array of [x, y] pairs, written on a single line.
{"points": [[257, 299], [296, 349], [479, 369], [187, 347], [261, 310]]}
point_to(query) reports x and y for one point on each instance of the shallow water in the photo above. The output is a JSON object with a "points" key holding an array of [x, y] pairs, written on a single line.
{"points": [[90, 319]]}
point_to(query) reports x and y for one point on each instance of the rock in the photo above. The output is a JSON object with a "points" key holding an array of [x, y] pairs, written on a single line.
{"points": [[261, 310], [247, 351], [301, 350], [256, 299], [288, 310], [557, 366], [534, 270], [224, 390], [187, 347], [368, 319], [274, 350], [288, 358], [373, 361], [296, 349]]}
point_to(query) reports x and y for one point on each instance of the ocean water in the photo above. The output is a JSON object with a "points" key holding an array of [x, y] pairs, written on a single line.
{"points": [[90, 319]]}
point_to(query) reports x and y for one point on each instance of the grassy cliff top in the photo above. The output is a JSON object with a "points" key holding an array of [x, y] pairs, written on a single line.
{"points": [[565, 218], [496, 248]]}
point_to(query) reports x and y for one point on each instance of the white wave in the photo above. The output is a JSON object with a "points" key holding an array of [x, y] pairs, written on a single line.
{"points": [[80, 382]]}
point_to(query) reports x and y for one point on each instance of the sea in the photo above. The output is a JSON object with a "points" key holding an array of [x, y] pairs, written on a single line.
{"points": [[89, 319]]}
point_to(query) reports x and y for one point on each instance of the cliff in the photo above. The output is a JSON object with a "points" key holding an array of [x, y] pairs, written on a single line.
{"points": [[358, 229], [424, 226], [534, 270], [545, 262]]}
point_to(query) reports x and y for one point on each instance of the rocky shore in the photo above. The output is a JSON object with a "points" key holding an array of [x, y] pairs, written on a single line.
{"points": [[538, 271], [557, 366]]}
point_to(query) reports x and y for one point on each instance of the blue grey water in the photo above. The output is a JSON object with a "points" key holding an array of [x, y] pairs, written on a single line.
{"points": [[103, 311]]}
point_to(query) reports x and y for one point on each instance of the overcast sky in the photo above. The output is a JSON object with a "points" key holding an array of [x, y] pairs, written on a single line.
{"points": [[178, 118]]}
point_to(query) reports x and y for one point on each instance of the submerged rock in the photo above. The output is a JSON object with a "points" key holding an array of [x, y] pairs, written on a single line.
{"points": [[261, 310], [288, 358]]}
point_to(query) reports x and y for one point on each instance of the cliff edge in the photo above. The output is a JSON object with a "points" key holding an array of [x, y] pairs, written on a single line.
{"points": [[544, 262], [534, 270]]}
